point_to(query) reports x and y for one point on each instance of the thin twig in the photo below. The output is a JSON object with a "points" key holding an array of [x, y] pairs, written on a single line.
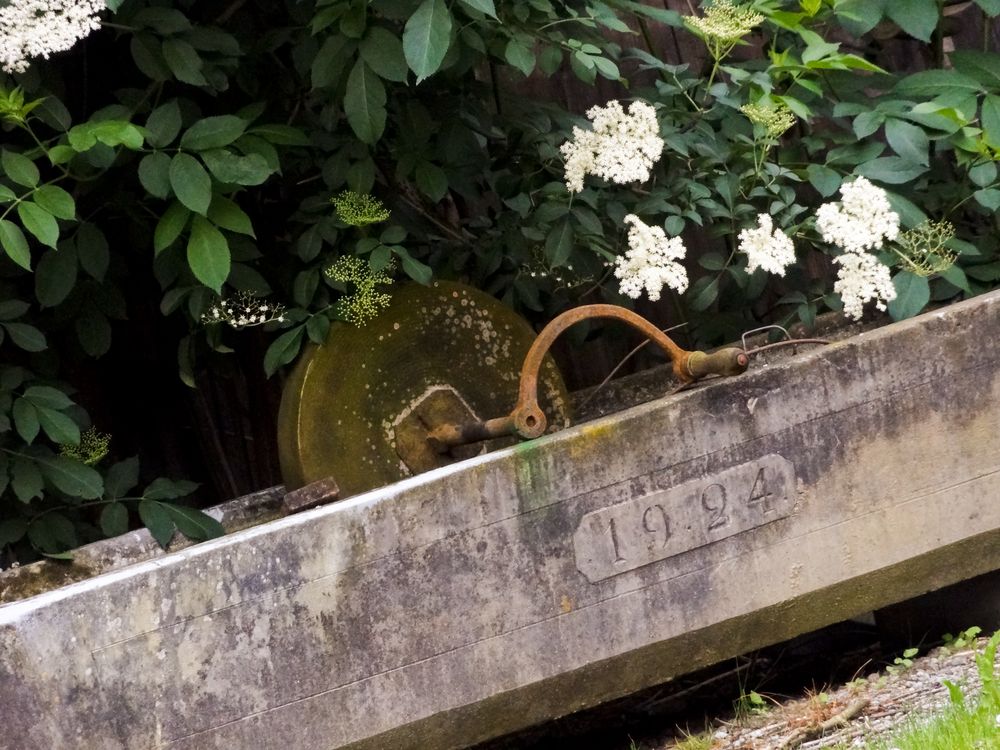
{"points": [[621, 364], [818, 730]]}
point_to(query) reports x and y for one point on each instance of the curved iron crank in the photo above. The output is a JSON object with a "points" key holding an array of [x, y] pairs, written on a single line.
{"points": [[527, 420]]}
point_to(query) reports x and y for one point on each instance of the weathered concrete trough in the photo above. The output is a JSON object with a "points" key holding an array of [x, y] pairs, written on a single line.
{"points": [[522, 585]]}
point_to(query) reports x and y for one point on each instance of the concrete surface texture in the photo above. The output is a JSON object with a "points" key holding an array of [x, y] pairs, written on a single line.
{"points": [[535, 581]]}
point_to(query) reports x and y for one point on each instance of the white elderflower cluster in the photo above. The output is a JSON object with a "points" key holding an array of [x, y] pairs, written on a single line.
{"points": [[650, 263], [860, 278], [725, 22], [243, 311], [862, 220], [767, 247], [620, 147], [37, 28]]}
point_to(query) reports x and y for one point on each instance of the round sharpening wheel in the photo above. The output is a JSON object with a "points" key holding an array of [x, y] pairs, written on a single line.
{"points": [[358, 408]]}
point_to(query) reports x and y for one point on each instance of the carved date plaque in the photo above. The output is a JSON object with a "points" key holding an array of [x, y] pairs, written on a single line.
{"points": [[662, 524]]}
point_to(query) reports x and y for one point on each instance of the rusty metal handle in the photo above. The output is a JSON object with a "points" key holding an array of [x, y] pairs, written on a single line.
{"points": [[728, 361], [527, 420]]}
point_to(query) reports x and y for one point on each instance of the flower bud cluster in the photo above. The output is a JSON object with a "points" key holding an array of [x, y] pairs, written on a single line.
{"points": [[244, 311], [650, 263], [767, 247], [93, 447], [358, 209], [366, 302], [775, 120], [724, 24], [37, 28], [924, 249], [620, 147]]}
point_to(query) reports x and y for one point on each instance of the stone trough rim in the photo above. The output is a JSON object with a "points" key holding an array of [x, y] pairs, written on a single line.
{"points": [[161, 558]]}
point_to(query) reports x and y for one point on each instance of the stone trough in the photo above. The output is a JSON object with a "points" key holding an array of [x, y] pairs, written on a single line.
{"points": [[523, 585]]}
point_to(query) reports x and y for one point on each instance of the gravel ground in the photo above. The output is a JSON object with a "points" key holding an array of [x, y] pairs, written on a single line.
{"points": [[859, 711]]}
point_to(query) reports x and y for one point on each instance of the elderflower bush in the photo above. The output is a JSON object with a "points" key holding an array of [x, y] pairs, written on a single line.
{"points": [[775, 175]]}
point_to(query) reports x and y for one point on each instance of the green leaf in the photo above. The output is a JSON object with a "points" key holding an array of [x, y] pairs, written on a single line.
{"points": [[154, 174], [327, 66], [114, 519], [55, 276], [183, 61], [483, 6], [703, 294], [14, 244], [918, 18], [39, 222], [61, 154], [383, 52], [169, 489], [19, 168], [283, 349], [170, 226], [987, 272], [318, 327], [955, 275], [912, 295], [191, 183], [115, 133], [157, 520], [419, 272], [11, 309], [73, 477], [56, 201], [826, 181], [559, 243], [426, 38], [364, 103], [59, 428], [163, 124], [226, 166], [983, 66], [988, 198], [26, 479], [208, 254], [26, 336], [12, 530], [93, 332], [282, 135], [909, 141], [213, 132], [935, 82], [148, 56], [92, 250], [51, 533], [520, 56], [432, 180], [990, 120], [121, 477], [48, 397], [983, 174], [910, 214], [226, 214], [26, 420], [194, 524], [891, 170]]}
